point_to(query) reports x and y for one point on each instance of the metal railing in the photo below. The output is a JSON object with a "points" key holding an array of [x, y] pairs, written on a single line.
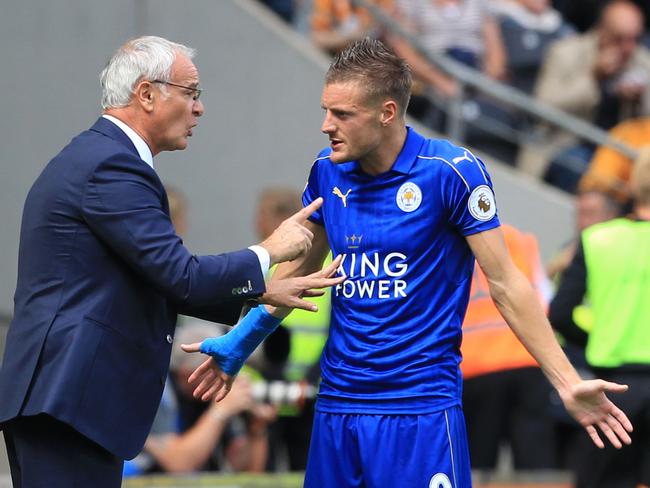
{"points": [[471, 78]]}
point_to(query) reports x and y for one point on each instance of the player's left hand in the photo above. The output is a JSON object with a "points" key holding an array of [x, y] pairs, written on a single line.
{"points": [[209, 380], [587, 403]]}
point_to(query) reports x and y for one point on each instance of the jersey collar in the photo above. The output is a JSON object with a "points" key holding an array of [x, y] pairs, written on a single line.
{"points": [[406, 157], [409, 152]]}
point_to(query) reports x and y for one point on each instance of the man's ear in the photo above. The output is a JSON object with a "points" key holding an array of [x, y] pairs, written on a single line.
{"points": [[145, 95], [388, 112]]}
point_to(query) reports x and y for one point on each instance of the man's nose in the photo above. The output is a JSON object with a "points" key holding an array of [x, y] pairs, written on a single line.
{"points": [[198, 108], [327, 126]]}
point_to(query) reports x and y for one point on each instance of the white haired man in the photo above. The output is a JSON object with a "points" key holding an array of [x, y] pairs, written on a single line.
{"points": [[102, 276]]}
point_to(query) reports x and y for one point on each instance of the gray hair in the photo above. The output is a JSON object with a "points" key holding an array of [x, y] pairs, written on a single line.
{"points": [[147, 57]]}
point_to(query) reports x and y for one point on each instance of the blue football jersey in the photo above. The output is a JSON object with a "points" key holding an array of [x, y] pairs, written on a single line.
{"points": [[394, 340]]}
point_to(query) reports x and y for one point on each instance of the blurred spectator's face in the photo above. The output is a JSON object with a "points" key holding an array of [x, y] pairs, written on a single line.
{"points": [[266, 220], [621, 27], [535, 6], [594, 207]]}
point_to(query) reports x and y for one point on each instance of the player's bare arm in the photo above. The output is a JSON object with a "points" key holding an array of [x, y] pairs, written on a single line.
{"points": [[305, 265], [517, 302]]}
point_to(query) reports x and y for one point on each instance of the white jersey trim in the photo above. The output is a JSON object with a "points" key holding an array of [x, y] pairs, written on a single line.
{"points": [[451, 450], [450, 165], [477, 164]]}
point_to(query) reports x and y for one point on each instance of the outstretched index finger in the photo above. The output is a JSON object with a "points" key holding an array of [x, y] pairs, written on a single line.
{"points": [[301, 215]]}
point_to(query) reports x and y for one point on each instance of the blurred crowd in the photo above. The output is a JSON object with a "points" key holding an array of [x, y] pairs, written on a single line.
{"points": [[587, 58]]}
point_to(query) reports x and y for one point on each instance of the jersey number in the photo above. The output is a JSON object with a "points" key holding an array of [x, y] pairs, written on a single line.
{"points": [[440, 480]]}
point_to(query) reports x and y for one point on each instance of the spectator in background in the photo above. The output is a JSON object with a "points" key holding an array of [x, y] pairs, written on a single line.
{"points": [[583, 14], [465, 30], [468, 32], [178, 210], [283, 8], [307, 334], [505, 394], [528, 28], [600, 77], [189, 435], [613, 168], [337, 23], [612, 268], [595, 202]]}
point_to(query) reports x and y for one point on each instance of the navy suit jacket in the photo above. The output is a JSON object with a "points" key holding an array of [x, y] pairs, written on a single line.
{"points": [[101, 278]]}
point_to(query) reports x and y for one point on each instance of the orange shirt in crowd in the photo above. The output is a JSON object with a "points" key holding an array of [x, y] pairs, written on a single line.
{"points": [[609, 167], [488, 343], [328, 15]]}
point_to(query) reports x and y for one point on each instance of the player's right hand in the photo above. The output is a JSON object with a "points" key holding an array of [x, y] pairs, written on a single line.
{"points": [[291, 239]]}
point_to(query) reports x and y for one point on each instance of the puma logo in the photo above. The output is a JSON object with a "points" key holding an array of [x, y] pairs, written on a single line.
{"points": [[464, 157], [344, 198]]}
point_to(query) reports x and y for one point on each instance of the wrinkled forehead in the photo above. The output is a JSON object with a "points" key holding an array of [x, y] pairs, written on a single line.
{"points": [[183, 70]]}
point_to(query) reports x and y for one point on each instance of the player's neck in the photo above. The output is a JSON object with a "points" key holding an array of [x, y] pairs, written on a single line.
{"points": [[383, 158]]}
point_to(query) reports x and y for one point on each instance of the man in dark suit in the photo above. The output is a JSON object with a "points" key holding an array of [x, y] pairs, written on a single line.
{"points": [[102, 276]]}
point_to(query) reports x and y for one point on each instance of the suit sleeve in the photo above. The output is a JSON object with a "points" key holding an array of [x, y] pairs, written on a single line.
{"points": [[123, 206]]}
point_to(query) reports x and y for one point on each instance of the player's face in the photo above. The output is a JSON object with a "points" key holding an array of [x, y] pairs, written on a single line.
{"points": [[351, 122], [177, 113]]}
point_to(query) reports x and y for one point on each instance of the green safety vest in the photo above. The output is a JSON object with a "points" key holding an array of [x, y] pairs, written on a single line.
{"points": [[308, 335], [617, 259]]}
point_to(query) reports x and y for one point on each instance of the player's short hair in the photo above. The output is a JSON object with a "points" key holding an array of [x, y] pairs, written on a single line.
{"points": [[147, 57], [379, 69], [640, 179]]}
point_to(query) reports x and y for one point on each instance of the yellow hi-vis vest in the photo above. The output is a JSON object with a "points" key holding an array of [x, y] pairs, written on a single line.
{"points": [[617, 258]]}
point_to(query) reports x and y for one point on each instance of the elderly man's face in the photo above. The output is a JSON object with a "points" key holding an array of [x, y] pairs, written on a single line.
{"points": [[622, 27], [176, 114]]}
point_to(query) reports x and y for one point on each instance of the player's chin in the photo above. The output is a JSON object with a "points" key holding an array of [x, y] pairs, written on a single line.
{"points": [[338, 157]]}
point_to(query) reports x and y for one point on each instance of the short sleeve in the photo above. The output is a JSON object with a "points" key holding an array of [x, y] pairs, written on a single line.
{"points": [[468, 195], [312, 192]]}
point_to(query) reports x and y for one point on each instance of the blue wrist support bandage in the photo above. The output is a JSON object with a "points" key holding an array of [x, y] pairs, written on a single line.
{"points": [[231, 350]]}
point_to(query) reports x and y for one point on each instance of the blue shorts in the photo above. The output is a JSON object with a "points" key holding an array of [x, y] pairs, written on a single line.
{"points": [[373, 451]]}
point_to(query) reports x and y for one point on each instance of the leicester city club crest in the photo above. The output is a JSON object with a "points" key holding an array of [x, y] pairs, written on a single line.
{"points": [[409, 197]]}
